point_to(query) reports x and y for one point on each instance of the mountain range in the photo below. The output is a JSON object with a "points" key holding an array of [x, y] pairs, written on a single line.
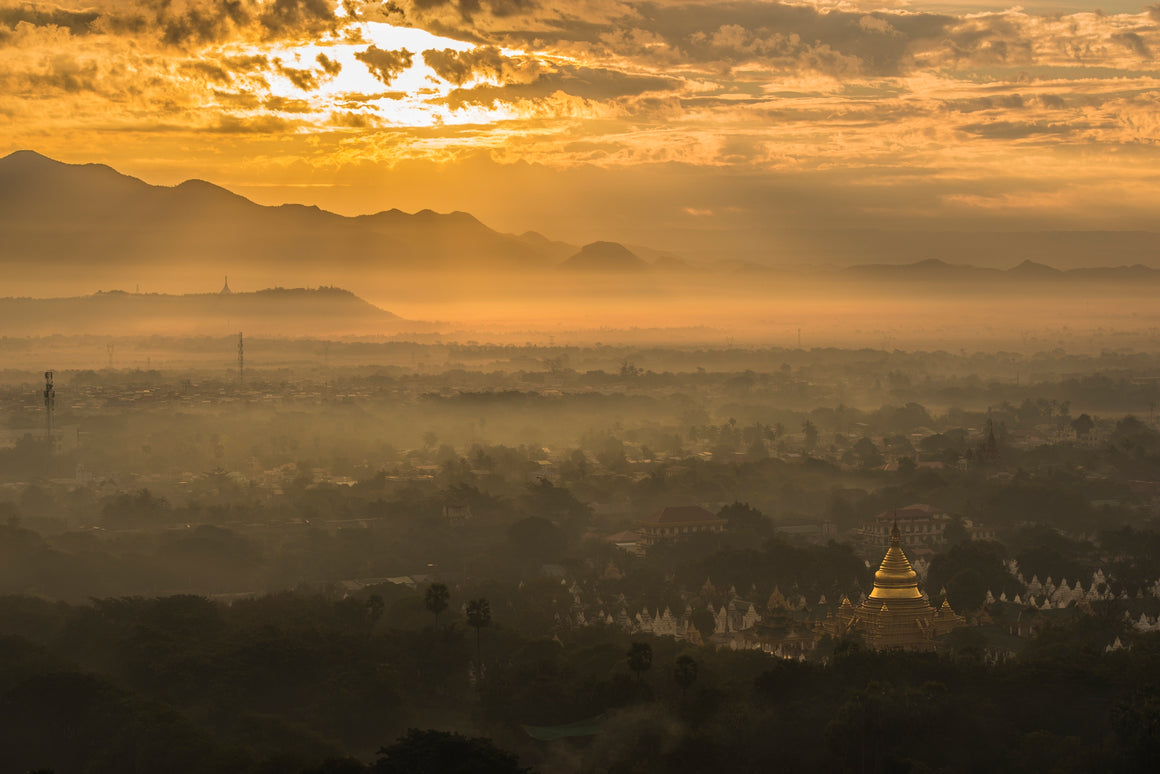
{"points": [[74, 228], [938, 271], [109, 227]]}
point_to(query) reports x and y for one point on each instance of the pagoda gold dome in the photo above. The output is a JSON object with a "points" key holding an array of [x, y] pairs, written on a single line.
{"points": [[895, 578]]}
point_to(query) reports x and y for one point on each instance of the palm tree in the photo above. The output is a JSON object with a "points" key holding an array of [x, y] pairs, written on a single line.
{"points": [[640, 658], [685, 674], [436, 599], [810, 431], [478, 616]]}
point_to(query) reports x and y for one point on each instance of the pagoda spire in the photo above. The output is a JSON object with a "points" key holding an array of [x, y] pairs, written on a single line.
{"points": [[896, 614], [895, 578]]}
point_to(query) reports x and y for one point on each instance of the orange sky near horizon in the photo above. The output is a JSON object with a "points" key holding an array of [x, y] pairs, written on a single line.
{"points": [[610, 118]]}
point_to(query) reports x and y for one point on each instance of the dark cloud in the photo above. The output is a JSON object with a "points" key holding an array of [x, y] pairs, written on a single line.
{"points": [[202, 24], [738, 31], [1013, 130], [585, 82], [354, 101], [286, 105], [975, 104], [61, 72], [458, 67], [293, 17], [237, 100], [352, 120], [469, 9], [1133, 42], [247, 64], [268, 124], [988, 40], [76, 22], [710, 33], [306, 80], [210, 71], [329, 66], [383, 64], [186, 23]]}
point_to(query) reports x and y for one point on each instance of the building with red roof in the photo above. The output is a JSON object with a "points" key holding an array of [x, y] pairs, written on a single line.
{"points": [[678, 521]]}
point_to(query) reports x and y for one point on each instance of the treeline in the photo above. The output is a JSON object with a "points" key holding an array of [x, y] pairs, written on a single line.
{"points": [[311, 683]]}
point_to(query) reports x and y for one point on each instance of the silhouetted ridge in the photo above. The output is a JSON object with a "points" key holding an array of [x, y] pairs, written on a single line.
{"points": [[1030, 268], [274, 311], [605, 256], [111, 225]]}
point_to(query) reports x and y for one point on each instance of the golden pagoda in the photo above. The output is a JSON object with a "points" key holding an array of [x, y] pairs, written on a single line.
{"points": [[895, 615]]}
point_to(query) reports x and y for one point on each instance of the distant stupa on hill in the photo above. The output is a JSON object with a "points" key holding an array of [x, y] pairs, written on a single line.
{"points": [[895, 615], [225, 291]]}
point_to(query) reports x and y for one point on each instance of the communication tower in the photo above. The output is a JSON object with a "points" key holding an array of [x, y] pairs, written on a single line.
{"points": [[49, 403], [241, 360]]}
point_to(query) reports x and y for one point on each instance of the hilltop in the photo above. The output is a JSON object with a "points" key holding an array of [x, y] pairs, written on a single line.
{"points": [[106, 228], [275, 311]]}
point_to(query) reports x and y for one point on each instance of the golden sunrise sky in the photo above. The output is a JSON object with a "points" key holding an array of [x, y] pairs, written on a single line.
{"points": [[660, 123]]}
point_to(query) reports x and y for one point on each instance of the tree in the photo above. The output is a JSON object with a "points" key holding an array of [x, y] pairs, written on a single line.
{"points": [[744, 517], [640, 658], [705, 622], [685, 673], [968, 570], [1082, 425], [537, 540], [956, 531], [967, 590], [478, 616], [1136, 721], [134, 511], [436, 600], [374, 609], [810, 431], [866, 454], [442, 752]]}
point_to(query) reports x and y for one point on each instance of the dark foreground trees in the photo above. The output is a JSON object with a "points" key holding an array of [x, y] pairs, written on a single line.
{"points": [[296, 683], [436, 600], [478, 618], [441, 752], [640, 657]]}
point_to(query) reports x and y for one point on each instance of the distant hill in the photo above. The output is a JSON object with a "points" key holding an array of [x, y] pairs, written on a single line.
{"points": [[278, 311], [931, 269], [1026, 274], [1063, 250], [106, 228], [605, 257], [1033, 270]]}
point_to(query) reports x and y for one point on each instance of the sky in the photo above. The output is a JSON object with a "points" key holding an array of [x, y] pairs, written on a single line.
{"points": [[668, 123]]}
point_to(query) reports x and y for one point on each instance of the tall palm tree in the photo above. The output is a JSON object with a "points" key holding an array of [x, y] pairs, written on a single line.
{"points": [[436, 600], [478, 616], [685, 674], [640, 658]]}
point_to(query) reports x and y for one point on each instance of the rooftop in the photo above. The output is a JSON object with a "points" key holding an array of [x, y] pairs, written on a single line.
{"points": [[681, 514]]}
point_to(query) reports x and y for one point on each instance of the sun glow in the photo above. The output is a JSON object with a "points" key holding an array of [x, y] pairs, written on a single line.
{"points": [[346, 91]]}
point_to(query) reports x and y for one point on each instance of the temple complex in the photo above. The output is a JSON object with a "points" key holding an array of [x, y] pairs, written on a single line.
{"points": [[895, 615]]}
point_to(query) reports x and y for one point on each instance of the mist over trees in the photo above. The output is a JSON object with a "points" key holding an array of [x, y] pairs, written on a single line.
{"points": [[339, 566]]}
